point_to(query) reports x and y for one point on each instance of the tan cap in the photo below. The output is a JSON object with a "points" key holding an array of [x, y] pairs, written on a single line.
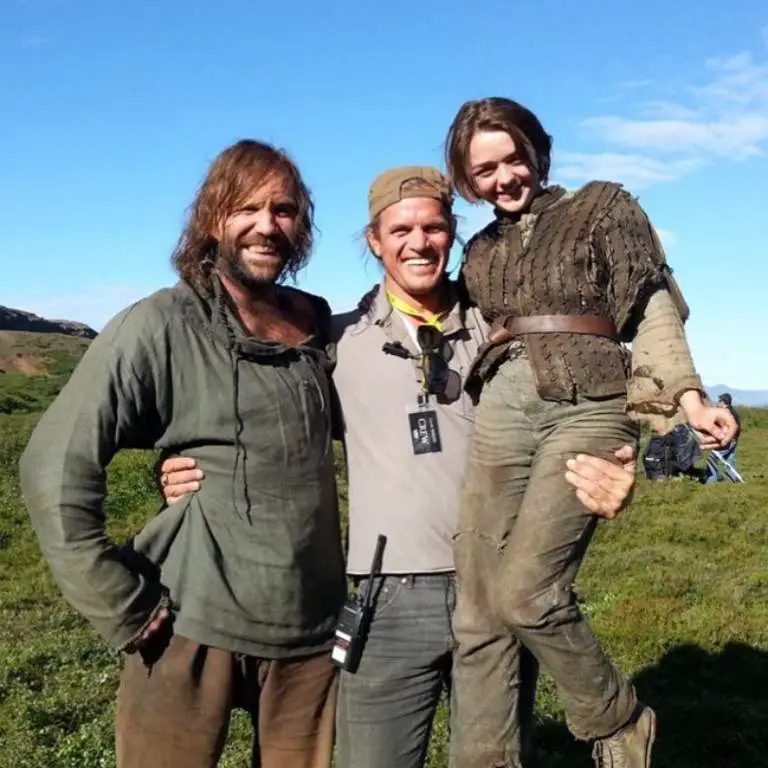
{"points": [[396, 184]]}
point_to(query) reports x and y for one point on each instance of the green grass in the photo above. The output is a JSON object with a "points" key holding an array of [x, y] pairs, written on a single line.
{"points": [[677, 589], [20, 393], [57, 353]]}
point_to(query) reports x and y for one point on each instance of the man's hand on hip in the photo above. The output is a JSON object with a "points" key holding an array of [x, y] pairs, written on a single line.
{"points": [[153, 627], [178, 476]]}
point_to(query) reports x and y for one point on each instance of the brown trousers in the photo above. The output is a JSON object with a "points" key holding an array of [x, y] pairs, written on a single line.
{"points": [[174, 712]]}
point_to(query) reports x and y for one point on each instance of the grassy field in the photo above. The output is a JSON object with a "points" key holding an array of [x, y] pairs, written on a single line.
{"points": [[23, 355], [677, 588]]}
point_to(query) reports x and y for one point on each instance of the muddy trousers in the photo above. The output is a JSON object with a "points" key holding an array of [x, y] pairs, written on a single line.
{"points": [[521, 538], [175, 713]]}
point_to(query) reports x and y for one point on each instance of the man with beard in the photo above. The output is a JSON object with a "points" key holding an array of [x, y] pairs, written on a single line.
{"points": [[231, 598], [407, 487]]}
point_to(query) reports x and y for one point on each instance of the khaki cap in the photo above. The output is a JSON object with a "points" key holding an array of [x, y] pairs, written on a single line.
{"points": [[396, 184]]}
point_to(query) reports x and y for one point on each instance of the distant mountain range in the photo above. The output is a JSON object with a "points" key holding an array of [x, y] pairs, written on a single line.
{"points": [[19, 320], [753, 397]]}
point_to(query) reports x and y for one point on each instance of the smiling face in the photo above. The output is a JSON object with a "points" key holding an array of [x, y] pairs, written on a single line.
{"points": [[259, 235], [413, 239], [501, 172]]}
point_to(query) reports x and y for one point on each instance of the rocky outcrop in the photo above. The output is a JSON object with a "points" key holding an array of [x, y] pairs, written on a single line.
{"points": [[18, 320]]}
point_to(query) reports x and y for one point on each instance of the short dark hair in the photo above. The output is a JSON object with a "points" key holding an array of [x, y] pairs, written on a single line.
{"points": [[726, 398], [493, 114]]}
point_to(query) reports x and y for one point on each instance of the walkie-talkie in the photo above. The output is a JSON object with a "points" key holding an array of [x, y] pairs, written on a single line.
{"points": [[355, 619]]}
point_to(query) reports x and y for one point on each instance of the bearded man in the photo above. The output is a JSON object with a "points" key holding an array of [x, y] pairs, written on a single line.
{"points": [[230, 598]]}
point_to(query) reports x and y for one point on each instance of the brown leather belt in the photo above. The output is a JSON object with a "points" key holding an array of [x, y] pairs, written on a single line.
{"points": [[593, 325]]}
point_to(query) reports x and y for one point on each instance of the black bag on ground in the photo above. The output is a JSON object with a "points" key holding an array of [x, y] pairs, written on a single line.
{"points": [[657, 458], [675, 453]]}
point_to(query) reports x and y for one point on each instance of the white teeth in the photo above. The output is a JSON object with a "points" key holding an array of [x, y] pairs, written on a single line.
{"points": [[419, 262]]}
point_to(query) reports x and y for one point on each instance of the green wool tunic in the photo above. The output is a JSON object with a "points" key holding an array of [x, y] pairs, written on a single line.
{"points": [[252, 562]]}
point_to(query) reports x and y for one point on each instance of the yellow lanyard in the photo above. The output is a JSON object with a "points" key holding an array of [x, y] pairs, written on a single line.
{"points": [[426, 317]]}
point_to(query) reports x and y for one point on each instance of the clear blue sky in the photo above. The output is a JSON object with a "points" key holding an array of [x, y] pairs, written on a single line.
{"points": [[110, 113]]}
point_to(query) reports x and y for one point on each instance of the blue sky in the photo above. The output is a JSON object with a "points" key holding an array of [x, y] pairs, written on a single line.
{"points": [[111, 112]]}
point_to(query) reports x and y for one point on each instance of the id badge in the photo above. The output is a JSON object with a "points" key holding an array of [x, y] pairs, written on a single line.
{"points": [[424, 429]]}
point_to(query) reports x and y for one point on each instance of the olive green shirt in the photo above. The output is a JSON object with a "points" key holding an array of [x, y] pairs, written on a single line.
{"points": [[251, 563]]}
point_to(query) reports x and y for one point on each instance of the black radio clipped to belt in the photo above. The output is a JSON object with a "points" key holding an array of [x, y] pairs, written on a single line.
{"points": [[355, 619]]}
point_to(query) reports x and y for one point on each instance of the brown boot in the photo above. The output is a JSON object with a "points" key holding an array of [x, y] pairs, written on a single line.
{"points": [[630, 746]]}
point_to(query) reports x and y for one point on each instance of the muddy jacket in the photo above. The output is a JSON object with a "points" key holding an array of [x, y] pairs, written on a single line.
{"points": [[592, 252], [252, 562]]}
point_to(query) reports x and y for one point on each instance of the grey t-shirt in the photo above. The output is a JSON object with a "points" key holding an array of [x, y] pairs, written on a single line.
{"points": [[412, 499]]}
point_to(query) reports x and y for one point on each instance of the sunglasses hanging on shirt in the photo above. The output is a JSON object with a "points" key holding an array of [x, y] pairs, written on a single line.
{"points": [[422, 420], [434, 366], [432, 362]]}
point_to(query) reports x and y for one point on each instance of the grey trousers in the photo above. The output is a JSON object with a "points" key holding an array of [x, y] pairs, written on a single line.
{"points": [[522, 537], [386, 709]]}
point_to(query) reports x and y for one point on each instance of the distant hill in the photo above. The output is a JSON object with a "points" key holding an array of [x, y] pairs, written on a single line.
{"points": [[19, 320], [32, 345], [37, 357], [751, 397], [31, 353]]}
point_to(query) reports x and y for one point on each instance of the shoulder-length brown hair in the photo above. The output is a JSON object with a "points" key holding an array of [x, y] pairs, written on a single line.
{"points": [[493, 114], [233, 176]]}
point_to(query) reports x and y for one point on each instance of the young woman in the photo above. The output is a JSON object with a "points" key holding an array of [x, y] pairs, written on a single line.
{"points": [[565, 279]]}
